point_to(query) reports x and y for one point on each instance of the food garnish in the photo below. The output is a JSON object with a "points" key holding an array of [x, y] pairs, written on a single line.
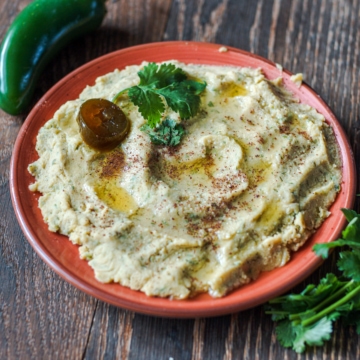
{"points": [[103, 125], [306, 318], [168, 133], [162, 85], [37, 34]]}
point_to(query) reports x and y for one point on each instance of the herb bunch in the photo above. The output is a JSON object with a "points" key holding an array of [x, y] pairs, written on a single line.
{"points": [[168, 133], [307, 318], [161, 86]]}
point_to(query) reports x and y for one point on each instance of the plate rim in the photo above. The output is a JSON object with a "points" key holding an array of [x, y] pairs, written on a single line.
{"points": [[178, 308]]}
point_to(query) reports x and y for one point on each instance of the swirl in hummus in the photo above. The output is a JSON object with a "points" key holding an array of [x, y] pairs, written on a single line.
{"points": [[252, 179]]}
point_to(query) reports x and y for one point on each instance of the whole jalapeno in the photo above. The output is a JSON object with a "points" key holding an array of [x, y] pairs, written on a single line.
{"points": [[35, 36]]}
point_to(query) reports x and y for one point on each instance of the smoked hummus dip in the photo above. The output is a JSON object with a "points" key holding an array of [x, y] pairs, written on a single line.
{"points": [[251, 180]]}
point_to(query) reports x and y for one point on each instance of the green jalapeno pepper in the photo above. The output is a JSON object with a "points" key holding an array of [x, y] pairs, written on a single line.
{"points": [[35, 36]]}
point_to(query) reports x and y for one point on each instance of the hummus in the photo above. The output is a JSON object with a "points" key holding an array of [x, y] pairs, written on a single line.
{"points": [[251, 180]]}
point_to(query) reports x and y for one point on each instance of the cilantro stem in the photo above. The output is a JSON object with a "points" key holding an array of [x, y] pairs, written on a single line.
{"points": [[277, 312], [278, 300], [323, 303], [114, 99], [331, 308]]}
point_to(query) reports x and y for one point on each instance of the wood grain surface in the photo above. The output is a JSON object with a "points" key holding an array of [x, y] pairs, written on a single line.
{"points": [[42, 316]]}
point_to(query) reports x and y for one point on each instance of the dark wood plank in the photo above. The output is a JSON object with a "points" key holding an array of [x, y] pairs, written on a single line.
{"points": [[164, 338], [41, 316], [111, 333]]}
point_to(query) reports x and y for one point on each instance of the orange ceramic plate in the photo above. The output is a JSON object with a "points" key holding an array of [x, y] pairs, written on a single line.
{"points": [[61, 255]]}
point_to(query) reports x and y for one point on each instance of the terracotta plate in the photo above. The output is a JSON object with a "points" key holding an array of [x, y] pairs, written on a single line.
{"points": [[62, 256]]}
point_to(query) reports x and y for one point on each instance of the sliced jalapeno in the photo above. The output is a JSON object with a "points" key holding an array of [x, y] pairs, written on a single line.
{"points": [[103, 125]]}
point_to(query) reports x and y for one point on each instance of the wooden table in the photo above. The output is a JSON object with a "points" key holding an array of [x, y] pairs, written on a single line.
{"points": [[42, 316]]}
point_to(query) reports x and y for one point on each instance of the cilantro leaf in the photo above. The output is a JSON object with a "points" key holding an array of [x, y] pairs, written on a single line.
{"points": [[182, 98], [314, 335], [349, 214], [297, 336], [335, 315], [350, 236], [155, 77], [285, 333], [165, 85], [168, 133], [323, 249], [349, 263], [149, 103], [352, 231]]}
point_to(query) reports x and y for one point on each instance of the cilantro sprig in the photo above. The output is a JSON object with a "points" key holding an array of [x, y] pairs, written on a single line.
{"points": [[168, 133], [307, 318], [164, 85]]}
